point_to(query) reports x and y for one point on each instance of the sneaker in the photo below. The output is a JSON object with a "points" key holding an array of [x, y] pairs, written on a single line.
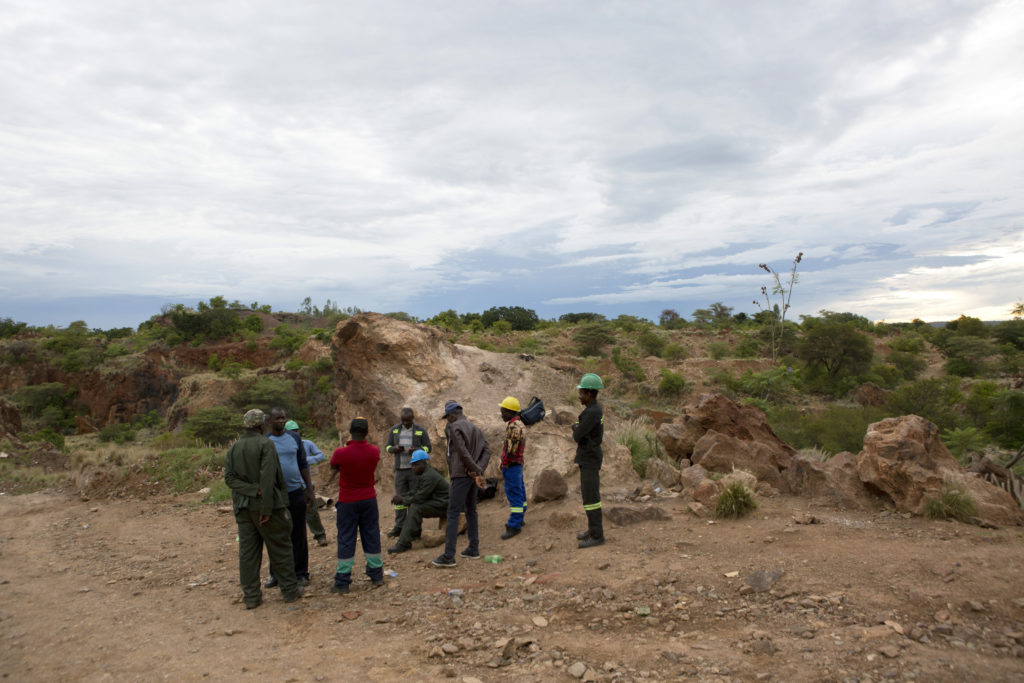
{"points": [[271, 582], [583, 535], [509, 533], [321, 541], [341, 590], [399, 548], [303, 581], [443, 561], [471, 554], [591, 541]]}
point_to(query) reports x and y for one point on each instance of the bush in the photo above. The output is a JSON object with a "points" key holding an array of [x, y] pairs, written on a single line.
{"points": [[575, 318], [718, 350], [734, 502], [952, 502], [749, 347], [253, 323], [184, 469], [639, 437], [219, 491], [118, 433], [591, 338], [907, 343], [294, 365], [287, 339], [217, 425], [909, 364], [674, 351], [267, 392], [934, 399], [835, 429], [628, 367], [968, 356], [652, 343], [963, 440], [834, 352], [46, 434], [519, 318], [672, 384], [772, 384]]}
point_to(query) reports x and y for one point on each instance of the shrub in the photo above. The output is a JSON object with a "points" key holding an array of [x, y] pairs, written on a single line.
{"points": [[672, 384], [749, 347], [519, 318], [287, 339], [837, 428], [233, 369], [734, 501], [217, 425], [591, 338], [963, 440], [934, 399], [294, 365], [770, 385], [639, 437], [967, 356], [214, 363], [219, 491], [909, 364], [118, 433], [833, 351], [718, 350], [628, 367], [907, 343], [952, 502], [674, 351], [267, 392], [253, 323], [46, 434], [652, 343], [184, 469]]}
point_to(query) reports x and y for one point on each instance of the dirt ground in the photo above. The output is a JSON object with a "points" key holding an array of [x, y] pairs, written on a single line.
{"points": [[147, 589]]}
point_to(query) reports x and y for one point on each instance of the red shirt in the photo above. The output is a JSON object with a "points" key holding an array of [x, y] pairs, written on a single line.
{"points": [[356, 462]]}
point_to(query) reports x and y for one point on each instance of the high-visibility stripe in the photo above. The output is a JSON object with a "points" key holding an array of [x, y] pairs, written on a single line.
{"points": [[515, 510], [418, 433], [592, 506], [374, 561], [425, 449], [345, 566], [395, 430], [401, 507]]}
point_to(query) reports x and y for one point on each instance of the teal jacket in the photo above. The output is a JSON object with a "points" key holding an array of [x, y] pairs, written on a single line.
{"points": [[253, 473]]}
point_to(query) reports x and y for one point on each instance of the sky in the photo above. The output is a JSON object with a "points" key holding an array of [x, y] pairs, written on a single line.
{"points": [[616, 157]]}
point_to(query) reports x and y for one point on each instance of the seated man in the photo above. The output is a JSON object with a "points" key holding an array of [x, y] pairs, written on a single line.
{"points": [[428, 499]]}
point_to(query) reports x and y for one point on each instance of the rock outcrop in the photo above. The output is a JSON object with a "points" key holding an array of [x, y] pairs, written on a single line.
{"points": [[549, 485], [719, 452], [662, 473], [10, 417], [904, 459], [834, 482]]}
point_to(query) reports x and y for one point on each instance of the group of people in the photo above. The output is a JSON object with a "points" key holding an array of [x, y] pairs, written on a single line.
{"points": [[273, 500]]}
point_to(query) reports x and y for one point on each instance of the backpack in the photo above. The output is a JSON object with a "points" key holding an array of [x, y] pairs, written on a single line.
{"points": [[533, 413]]}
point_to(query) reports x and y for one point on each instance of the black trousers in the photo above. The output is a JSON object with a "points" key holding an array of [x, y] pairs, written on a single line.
{"points": [[590, 489], [300, 548]]}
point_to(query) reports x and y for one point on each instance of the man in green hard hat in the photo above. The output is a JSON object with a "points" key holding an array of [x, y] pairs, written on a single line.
{"points": [[588, 433], [313, 456]]}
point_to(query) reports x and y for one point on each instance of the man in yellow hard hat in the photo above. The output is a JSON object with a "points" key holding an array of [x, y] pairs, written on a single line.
{"points": [[512, 448]]}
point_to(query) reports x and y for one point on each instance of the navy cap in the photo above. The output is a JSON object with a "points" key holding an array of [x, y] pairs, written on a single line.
{"points": [[359, 425], [450, 407]]}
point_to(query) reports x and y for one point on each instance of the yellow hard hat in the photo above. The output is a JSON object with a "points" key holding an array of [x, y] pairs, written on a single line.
{"points": [[511, 403]]}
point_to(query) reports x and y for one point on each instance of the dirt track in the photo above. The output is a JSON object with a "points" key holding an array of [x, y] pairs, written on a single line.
{"points": [[137, 590]]}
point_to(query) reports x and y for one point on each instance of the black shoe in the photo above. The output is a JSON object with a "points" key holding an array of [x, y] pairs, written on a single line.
{"points": [[471, 554], [271, 582], [394, 533], [377, 583], [293, 597], [303, 581], [443, 561], [591, 541], [253, 605], [341, 590], [399, 548], [583, 535], [321, 541], [509, 533]]}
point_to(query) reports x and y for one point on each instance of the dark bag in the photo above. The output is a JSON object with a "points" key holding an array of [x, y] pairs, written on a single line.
{"points": [[533, 413], [490, 491]]}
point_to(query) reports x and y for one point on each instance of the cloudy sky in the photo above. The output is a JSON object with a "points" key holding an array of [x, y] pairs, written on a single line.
{"points": [[620, 157]]}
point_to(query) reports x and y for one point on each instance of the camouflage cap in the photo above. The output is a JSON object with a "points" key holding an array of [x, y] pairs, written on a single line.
{"points": [[254, 418]]}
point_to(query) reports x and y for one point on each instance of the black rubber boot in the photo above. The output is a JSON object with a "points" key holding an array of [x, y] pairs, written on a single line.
{"points": [[509, 533]]}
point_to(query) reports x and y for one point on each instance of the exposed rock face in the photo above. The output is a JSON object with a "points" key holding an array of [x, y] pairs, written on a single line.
{"points": [[661, 473], [563, 415], [10, 417], [870, 394], [719, 452], [678, 438], [549, 485], [904, 459], [834, 482]]}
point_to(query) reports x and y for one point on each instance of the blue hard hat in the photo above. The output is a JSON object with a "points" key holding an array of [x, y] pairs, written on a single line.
{"points": [[417, 455]]}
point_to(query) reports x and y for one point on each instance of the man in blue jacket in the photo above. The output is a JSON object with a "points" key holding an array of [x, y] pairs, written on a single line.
{"points": [[292, 456]]}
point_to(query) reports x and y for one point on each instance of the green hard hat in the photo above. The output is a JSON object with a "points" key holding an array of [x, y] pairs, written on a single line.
{"points": [[591, 381], [291, 425]]}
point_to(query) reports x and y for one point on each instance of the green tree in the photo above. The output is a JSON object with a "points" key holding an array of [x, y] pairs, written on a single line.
{"points": [[934, 399], [521, 319], [652, 343], [672, 384], [832, 351], [448, 320], [968, 356], [217, 425], [591, 338], [576, 318], [671, 320], [966, 325]]}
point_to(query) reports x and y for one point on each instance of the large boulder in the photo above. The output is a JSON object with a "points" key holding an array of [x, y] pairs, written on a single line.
{"points": [[678, 438], [904, 459], [717, 452], [549, 485], [617, 469], [691, 477], [833, 482]]}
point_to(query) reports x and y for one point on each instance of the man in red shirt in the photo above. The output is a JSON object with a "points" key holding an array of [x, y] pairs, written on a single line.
{"points": [[355, 464]]}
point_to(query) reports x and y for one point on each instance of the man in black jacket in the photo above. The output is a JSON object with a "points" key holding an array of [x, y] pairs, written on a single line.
{"points": [[588, 433], [468, 455]]}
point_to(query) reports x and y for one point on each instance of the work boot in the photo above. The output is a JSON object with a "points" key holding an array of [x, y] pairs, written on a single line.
{"points": [[377, 583], [394, 533], [399, 548], [303, 581], [341, 590], [591, 541], [271, 582], [295, 596], [583, 535], [509, 533]]}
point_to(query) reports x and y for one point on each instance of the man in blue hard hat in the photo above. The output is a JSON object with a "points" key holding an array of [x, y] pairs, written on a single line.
{"points": [[428, 499]]}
